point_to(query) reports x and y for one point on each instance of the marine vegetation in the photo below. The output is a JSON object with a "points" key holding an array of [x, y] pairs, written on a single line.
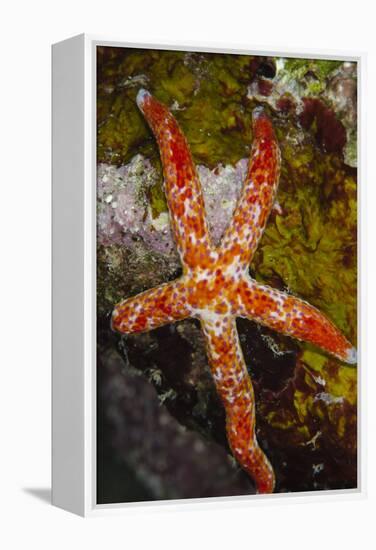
{"points": [[305, 399]]}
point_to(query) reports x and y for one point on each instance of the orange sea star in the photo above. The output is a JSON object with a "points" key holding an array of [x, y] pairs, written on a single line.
{"points": [[215, 286]]}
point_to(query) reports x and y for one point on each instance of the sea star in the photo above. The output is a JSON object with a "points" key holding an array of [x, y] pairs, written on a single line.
{"points": [[215, 286]]}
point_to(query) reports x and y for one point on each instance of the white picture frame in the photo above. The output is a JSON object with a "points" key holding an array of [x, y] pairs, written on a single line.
{"points": [[74, 280]]}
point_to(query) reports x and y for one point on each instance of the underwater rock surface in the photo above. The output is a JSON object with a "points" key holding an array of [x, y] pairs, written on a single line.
{"points": [[142, 431], [306, 401]]}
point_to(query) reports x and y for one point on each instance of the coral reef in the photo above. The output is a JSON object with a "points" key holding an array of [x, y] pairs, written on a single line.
{"points": [[306, 401]]}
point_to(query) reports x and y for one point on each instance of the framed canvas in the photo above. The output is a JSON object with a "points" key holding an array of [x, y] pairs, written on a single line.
{"points": [[205, 275]]}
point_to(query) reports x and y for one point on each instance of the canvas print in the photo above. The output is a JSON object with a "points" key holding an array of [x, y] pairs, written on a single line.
{"points": [[226, 274]]}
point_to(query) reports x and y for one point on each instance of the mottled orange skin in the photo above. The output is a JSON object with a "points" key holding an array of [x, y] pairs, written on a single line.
{"points": [[215, 286]]}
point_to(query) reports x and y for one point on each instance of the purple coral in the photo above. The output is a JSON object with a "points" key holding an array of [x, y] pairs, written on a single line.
{"points": [[125, 215]]}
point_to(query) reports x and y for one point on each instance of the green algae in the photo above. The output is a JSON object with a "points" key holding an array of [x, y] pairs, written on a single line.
{"points": [[311, 250], [309, 76], [157, 200], [311, 247], [321, 68], [206, 91]]}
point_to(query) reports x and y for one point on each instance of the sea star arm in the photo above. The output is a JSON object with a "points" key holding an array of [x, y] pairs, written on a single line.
{"points": [[182, 185], [236, 392], [293, 317], [256, 200], [151, 309]]}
